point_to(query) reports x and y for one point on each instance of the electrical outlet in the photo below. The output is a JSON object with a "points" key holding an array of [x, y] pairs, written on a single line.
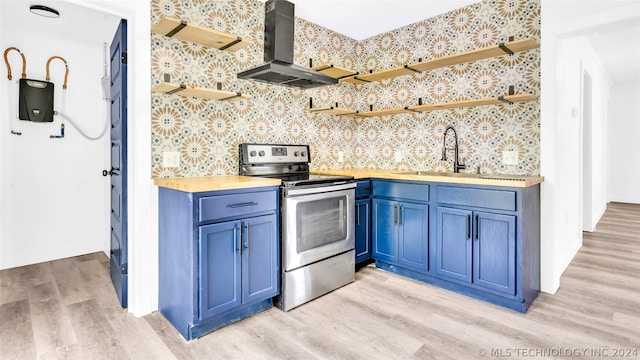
{"points": [[510, 157], [340, 156], [170, 159]]}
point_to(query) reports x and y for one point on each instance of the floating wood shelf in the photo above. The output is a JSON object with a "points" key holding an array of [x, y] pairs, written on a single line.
{"points": [[190, 90], [509, 47], [193, 33], [506, 99], [335, 72], [332, 111], [479, 54]]}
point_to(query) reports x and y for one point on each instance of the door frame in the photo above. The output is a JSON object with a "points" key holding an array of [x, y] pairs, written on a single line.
{"points": [[142, 194]]}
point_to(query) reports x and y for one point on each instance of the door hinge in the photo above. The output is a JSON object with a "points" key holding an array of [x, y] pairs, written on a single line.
{"points": [[123, 58], [124, 268]]}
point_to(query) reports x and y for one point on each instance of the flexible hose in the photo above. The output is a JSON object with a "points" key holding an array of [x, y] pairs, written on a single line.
{"points": [[66, 72], [24, 62], [104, 129]]}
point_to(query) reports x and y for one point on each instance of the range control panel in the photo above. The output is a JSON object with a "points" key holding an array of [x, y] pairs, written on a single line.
{"points": [[274, 154]]}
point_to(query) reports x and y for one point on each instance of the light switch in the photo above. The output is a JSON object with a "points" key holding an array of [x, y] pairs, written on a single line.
{"points": [[510, 157], [170, 159], [398, 156], [340, 156]]}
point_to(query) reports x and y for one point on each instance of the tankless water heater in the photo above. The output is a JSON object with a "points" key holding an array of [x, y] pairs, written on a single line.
{"points": [[35, 100]]}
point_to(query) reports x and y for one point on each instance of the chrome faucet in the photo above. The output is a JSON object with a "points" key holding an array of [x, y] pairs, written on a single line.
{"points": [[457, 166]]}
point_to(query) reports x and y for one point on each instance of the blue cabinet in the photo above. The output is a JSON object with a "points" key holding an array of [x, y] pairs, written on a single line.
{"points": [[476, 248], [218, 257], [400, 228], [482, 241], [363, 220], [238, 264]]}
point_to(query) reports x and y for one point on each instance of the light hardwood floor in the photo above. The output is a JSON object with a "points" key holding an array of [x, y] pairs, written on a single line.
{"points": [[67, 309]]}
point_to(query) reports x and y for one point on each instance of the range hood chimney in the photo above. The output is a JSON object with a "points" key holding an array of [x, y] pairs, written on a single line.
{"points": [[278, 68]]}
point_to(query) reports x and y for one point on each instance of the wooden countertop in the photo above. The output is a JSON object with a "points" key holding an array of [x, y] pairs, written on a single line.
{"points": [[459, 178], [215, 183]]}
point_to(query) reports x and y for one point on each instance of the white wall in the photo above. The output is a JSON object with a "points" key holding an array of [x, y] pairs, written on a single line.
{"points": [[624, 134], [562, 61], [54, 199], [143, 251]]}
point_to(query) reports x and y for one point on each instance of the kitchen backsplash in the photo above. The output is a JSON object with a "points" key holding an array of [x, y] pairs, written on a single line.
{"points": [[207, 132]]}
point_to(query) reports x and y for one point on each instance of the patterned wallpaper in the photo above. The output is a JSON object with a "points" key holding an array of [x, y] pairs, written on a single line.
{"points": [[207, 132]]}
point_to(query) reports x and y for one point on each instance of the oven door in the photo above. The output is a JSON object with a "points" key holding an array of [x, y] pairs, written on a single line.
{"points": [[317, 223]]}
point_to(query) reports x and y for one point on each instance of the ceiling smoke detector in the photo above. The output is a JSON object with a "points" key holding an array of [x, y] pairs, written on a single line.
{"points": [[44, 11]]}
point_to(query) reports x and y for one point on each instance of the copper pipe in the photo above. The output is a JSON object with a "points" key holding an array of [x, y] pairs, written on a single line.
{"points": [[24, 62], [66, 73]]}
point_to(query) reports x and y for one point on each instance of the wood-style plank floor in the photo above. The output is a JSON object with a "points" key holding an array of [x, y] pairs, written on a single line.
{"points": [[67, 309]]}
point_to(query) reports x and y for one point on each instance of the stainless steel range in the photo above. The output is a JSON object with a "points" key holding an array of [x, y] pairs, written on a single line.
{"points": [[316, 218]]}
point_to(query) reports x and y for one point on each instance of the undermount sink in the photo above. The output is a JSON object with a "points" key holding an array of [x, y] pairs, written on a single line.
{"points": [[436, 173]]}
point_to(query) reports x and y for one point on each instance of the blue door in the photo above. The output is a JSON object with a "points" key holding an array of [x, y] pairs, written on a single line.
{"points": [[494, 254], [118, 260], [363, 230], [384, 231], [219, 254], [413, 236], [453, 243], [260, 259]]}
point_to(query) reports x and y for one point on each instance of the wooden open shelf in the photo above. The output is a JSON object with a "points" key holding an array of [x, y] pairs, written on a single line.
{"points": [[335, 72], [190, 90], [332, 111], [455, 59], [193, 33], [506, 99], [474, 55]]}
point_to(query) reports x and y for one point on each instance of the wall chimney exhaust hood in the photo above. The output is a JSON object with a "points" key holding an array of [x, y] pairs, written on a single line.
{"points": [[278, 68]]}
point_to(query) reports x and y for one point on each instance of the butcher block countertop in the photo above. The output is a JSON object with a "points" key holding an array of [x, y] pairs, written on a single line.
{"points": [[459, 178], [215, 183]]}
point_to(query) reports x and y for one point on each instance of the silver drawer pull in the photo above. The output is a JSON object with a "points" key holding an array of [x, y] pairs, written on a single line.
{"points": [[233, 206]]}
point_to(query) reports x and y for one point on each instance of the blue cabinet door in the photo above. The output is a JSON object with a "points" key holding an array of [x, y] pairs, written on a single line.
{"points": [[413, 237], [384, 230], [453, 243], [219, 268], [494, 255], [260, 259], [363, 230]]}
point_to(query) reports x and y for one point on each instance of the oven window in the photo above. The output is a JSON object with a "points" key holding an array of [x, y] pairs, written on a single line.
{"points": [[321, 222]]}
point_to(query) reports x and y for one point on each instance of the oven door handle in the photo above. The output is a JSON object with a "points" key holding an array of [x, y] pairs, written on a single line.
{"points": [[319, 189]]}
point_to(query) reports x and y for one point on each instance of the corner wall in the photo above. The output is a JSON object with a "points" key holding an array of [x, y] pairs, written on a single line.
{"points": [[54, 199], [624, 132]]}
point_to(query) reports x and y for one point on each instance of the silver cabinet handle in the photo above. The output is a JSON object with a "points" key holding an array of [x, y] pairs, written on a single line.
{"points": [[400, 214], [477, 226], [237, 239], [246, 236]]}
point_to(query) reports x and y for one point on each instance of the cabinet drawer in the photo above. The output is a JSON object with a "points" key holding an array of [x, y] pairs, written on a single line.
{"points": [[409, 191], [482, 198], [225, 206], [363, 188]]}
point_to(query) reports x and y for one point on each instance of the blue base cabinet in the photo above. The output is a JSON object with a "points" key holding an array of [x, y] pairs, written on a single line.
{"points": [[363, 221], [482, 241], [218, 257], [400, 232]]}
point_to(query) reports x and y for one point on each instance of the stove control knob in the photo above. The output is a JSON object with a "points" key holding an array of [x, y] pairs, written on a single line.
{"points": [[296, 153], [261, 153], [253, 153]]}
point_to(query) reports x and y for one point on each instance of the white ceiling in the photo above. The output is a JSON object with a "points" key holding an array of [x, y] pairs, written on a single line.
{"points": [[618, 48], [361, 19]]}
